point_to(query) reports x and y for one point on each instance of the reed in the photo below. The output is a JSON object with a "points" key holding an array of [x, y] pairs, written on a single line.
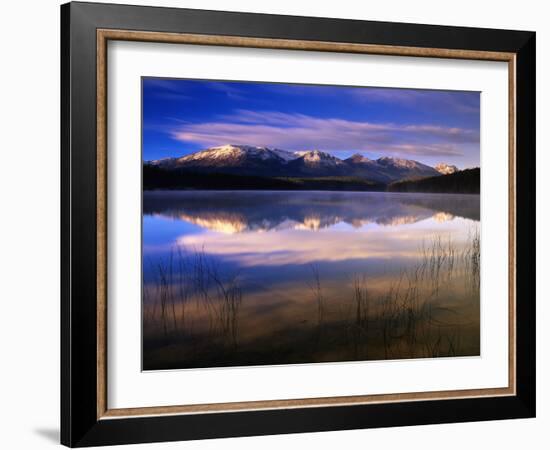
{"points": [[404, 314], [317, 291], [193, 276]]}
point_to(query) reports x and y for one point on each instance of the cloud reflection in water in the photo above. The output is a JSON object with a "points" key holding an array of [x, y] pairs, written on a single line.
{"points": [[276, 228]]}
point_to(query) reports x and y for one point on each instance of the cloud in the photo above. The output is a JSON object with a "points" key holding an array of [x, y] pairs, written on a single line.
{"points": [[456, 101], [302, 247], [229, 89], [166, 89], [299, 131], [461, 102]]}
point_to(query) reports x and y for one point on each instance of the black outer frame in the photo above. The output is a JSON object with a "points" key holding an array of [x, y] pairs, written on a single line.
{"points": [[79, 423]]}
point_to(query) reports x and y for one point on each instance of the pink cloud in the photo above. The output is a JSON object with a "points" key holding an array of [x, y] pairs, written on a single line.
{"points": [[299, 131]]}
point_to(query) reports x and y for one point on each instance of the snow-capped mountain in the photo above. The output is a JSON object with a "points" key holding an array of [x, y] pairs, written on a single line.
{"points": [[388, 169], [400, 163], [400, 169], [226, 155], [315, 163], [445, 169], [272, 162], [236, 159], [317, 157], [358, 158]]}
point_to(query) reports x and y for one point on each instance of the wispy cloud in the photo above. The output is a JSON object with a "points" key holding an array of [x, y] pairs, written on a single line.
{"points": [[231, 90], [167, 89], [299, 131], [458, 102]]}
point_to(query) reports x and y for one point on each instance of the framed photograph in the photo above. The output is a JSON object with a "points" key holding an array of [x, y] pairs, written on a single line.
{"points": [[276, 224]]}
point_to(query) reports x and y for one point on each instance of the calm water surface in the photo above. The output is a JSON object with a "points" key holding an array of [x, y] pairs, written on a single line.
{"points": [[245, 278]]}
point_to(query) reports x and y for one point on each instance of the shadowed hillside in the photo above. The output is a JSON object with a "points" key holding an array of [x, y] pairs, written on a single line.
{"points": [[463, 182]]}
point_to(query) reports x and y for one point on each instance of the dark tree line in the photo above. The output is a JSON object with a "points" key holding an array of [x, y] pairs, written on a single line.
{"points": [[463, 182], [466, 182], [157, 178]]}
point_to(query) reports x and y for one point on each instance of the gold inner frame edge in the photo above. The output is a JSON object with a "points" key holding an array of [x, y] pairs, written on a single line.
{"points": [[103, 36]]}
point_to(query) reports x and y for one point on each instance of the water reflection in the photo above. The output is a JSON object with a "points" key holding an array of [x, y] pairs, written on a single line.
{"points": [[246, 278], [237, 212]]}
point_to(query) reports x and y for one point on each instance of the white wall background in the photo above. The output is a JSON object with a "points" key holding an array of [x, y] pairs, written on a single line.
{"points": [[29, 225]]}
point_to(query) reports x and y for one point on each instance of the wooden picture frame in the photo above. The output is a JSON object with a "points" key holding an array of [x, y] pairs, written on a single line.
{"points": [[86, 418]]}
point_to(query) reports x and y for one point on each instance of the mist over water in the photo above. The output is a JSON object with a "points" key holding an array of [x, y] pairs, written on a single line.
{"points": [[238, 278]]}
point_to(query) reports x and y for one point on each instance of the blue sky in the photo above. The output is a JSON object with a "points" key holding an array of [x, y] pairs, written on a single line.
{"points": [[183, 116]]}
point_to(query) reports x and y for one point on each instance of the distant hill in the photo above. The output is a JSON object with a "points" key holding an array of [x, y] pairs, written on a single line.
{"points": [[250, 161], [462, 182]]}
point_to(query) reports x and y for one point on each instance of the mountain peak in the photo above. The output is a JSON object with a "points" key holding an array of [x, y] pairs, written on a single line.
{"points": [[399, 162], [358, 158], [318, 157], [446, 169]]}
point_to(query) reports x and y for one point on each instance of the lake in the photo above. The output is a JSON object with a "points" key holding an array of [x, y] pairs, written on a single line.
{"points": [[237, 278]]}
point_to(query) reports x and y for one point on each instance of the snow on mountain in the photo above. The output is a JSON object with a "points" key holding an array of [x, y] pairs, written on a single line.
{"points": [[286, 155], [237, 152], [224, 152], [358, 158], [165, 163], [400, 163], [398, 168], [445, 169], [316, 157]]}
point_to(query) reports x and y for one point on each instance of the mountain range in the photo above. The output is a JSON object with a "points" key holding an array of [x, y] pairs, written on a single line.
{"points": [[245, 160]]}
